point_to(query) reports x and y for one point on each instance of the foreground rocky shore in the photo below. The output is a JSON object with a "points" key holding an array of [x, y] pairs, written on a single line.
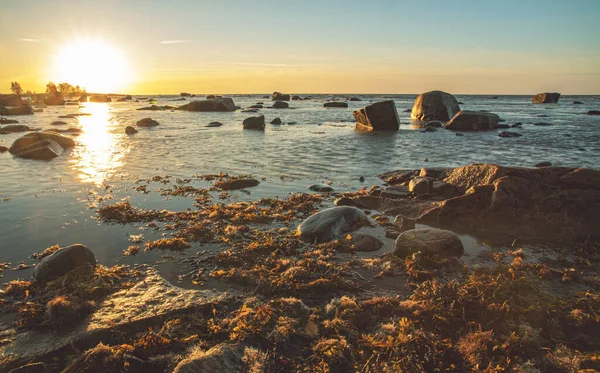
{"points": [[330, 281]]}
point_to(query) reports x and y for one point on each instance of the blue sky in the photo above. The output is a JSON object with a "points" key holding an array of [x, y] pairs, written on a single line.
{"points": [[465, 46]]}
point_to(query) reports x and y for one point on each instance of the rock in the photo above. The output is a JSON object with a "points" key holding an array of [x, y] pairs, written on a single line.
{"points": [[361, 179], [435, 124], [210, 97], [14, 128], [292, 123], [331, 223], [460, 134], [254, 123], [296, 98], [473, 121], [438, 187], [435, 105], [58, 123], [276, 121], [509, 134], [344, 201], [380, 116], [50, 145], [156, 108], [399, 176], [223, 357], [365, 242], [546, 98], [216, 104], [335, 104], [249, 111], [544, 164], [280, 105], [130, 130], [517, 125], [431, 241], [11, 100], [3, 149], [147, 122], [277, 96], [100, 98], [403, 223], [542, 124], [434, 172], [236, 184], [397, 191], [62, 262], [407, 110], [8, 121], [354, 99], [55, 101], [593, 112], [84, 98], [256, 106], [502, 126], [185, 94], [419, 185], [214, 124], [320, 188], [577, 103], [72, 103], [71, 130], [429, 129], [19, 110]]}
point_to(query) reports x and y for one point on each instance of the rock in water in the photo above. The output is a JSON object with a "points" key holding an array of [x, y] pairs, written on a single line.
{"points": [[236, 184], [280, 105], [8, 121], [320, 188], [254, 123], [147, 122], [214, 124], [278, 96], [543, 164], [336, 104], [435, 105], [380, 116], [54, 101], [546, 98], [11, 100], [100, 98], [215, 104], [509, 134], [14, 128], [365, 242], [224, 357], [62, 262], [44, 150], [58, 123], [130, 130], [41, 145], [593, 112], [296, 98], [431, 240], [19, 110], [276, 121], [473, 121], [331, 223]]}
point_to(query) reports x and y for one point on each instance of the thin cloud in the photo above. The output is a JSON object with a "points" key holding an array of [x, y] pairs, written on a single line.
{"points": [[179, 41], [26, 40]]}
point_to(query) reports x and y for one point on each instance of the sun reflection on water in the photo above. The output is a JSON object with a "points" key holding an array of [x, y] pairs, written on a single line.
{"points": [[98, 154]]}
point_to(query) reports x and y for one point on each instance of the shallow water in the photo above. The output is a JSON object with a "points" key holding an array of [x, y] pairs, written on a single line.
{"points": [[47, 203]]}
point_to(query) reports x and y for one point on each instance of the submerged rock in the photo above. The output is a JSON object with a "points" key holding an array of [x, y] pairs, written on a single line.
{"points": [[58, 123], [147, 122], [224, 357], [380, 116], [62, 262], [278, 96], [280, 105], [546, 98], [320, 188], [19, 110], [435, 105], [209, 105], [236, 184], [430, 240], [593, 112], [214, 124], [276, 121], [473, 121], [8, 121], [55, 101], [100, 98], [544, 164], [130, 130], [336, 104], [331, 223], [509, 134], [254, 123]]}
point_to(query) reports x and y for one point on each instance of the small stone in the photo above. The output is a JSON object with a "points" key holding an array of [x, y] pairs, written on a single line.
{"points": [[365, 242], [459, 134], [593, 112], [214, 124], [320, 188], [130, 130], [542, 124], [147, 122], [276, 121], [58, 123], [439, 187], [419, 185], [398, 191], [236, 184], [509, 134], [344, 201], [430, 240], [361, 179]]}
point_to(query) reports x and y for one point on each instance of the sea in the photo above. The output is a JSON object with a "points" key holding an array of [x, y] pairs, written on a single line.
{"points": [[43, 203]]}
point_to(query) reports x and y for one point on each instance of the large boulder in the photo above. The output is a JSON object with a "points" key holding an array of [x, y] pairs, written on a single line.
{"points": [[100, 98], [19, 110], [431, 240], [336, 104], [43, 150], [224, 357], [40, 145], [278, 96], [435, 105], [380, 116], [216, 104], [62, 262], [11, 100], [473, 121], [280, 105], [254, 123], [546, 98], [147, 122], [331, 223]]}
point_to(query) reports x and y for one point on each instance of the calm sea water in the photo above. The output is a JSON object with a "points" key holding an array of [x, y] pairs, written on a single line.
{"points": [[47, 203]]}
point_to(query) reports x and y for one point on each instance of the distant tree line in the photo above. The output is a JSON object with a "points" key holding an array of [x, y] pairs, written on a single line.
{"points": [[51, 88]]}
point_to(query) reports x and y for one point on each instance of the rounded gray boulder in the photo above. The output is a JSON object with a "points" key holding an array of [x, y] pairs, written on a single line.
{"points": [[331, 223], [430, 240], [62, 262]]}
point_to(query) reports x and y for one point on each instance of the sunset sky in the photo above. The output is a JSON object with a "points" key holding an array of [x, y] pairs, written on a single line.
{"points": [[306, 46]]}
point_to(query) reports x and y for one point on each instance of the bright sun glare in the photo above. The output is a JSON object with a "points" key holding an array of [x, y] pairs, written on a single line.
{"points": [[92, 64]]}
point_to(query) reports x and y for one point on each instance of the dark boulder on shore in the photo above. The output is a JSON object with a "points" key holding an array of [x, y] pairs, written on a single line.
{"points": [[254, 123], [435, 105], [331, 223], [431, 240], [18, 110], [278, 96], [216, 104], [62, 262], [473, 121], [280, 105], [41, 145], [335, 104], [546, 98], [380, 116], [147, 122]]}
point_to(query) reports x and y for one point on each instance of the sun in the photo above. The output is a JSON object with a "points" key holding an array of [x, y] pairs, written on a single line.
{"points": [[93, 64]]}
